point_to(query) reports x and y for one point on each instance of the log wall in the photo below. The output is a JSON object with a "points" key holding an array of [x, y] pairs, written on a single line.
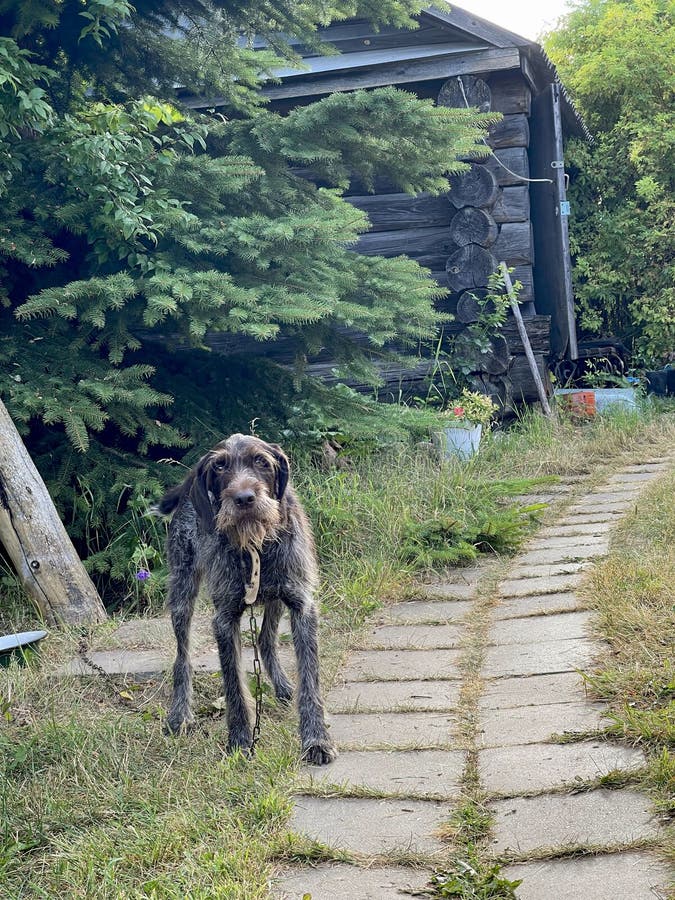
{"points": [[463, 236]]}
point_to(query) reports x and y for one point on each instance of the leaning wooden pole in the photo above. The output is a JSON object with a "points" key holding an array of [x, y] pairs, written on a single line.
{"points": [[36, 541], [513, 300]]}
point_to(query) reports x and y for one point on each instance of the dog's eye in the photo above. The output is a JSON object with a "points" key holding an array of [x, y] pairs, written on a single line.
{"points": [[262, 462], [221, 465]]}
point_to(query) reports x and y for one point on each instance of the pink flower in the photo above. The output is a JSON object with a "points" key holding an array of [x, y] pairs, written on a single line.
{"points": [[458, 411]]}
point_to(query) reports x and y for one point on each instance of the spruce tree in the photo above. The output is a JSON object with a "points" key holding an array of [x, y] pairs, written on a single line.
{"points": [[133, 228]]}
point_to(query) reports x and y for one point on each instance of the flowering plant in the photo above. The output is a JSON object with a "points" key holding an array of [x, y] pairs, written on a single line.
{"points": [[469, 408]]}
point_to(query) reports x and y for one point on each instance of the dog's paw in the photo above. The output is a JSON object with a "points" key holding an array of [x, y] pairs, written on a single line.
{"points": [[320, 753], [179, 725], [239, 749], [284, 694]]}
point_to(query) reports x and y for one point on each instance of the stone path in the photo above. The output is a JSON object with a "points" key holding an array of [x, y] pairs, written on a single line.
{"points": [[412, 724], [399, 714]]}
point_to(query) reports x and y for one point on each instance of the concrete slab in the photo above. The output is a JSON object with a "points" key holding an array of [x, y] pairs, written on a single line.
{"points": [[619, 876], [538, 659], [552, 821], [535, 690], [549, 584], [527, 569], [208, 661], [426, 612], [413, 637], [534, 630], [434, 774], [387, 729], [141, 664], [593, 529], [451, 590], [384, 665], [531, 724], [515, 607], [618, 507], [566, 541], [338, 881], [636, 476], [541, 767], [371, 827], [377, 696], [623, 494], [556, 555], [607, 517]]}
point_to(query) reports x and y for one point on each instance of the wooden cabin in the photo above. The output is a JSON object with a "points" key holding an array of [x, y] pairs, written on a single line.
{"points": [[510, 206]]}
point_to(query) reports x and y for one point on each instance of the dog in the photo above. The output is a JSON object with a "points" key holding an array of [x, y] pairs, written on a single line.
{"points": [[236, 505]]}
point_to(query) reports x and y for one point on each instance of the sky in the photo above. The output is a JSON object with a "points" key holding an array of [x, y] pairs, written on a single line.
{"points": [[527, 18]]}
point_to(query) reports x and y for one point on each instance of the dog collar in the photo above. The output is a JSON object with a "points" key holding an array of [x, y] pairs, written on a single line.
{"points": [[252, 586]]}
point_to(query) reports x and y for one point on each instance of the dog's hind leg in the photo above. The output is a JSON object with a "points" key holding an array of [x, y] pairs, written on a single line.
{"points": [[317, 747], [183, 588], [227, 631], [269, 651]]}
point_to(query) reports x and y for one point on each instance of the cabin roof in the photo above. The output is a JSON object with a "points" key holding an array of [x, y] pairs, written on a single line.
{"points": [[449, 41]]}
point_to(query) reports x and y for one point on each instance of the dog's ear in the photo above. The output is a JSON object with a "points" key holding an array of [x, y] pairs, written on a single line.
{"points": [[283, 471], [199, 491]]}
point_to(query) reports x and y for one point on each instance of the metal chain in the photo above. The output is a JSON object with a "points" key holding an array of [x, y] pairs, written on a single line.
{"points": [[257, 673]]}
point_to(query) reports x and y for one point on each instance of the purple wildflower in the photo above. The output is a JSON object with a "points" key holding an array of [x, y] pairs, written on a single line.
{"points": [[142, 574]]}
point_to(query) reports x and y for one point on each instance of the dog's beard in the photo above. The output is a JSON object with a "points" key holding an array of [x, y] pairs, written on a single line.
{"points": [[250, 528]]}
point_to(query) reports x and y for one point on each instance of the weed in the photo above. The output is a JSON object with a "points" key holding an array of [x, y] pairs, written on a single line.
{"points": [[471, 879]]}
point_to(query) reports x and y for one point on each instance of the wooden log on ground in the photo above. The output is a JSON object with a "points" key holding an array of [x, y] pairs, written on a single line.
{"points": [[512, 205], [538, 331], [512, 131], [470, 267], [476, 187], [471, 305], [523, 387], [515, 244], [510, 93], [465, 90], [36, 542], [509, 166], [391, 212], [473, 226]]}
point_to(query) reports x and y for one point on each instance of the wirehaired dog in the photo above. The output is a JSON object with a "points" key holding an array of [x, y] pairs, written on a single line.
{"points": [[236, 499]]}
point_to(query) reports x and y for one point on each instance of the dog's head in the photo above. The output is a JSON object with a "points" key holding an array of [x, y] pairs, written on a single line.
{"points": [[238, 487]]}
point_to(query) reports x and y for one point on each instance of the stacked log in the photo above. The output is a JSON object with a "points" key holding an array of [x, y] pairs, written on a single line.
{"points": [[492, 223]]}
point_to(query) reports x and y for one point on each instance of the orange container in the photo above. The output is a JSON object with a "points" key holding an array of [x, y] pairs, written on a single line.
{"points": [[581, 403]]}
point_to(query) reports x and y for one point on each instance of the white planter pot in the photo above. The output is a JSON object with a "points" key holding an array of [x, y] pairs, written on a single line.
{"points": [[460, 442]]}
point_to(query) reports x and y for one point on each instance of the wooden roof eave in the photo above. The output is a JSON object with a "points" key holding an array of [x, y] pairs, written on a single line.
{"points": [[488, 59]]}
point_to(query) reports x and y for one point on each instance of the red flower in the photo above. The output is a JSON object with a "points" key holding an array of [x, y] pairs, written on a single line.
{"points": [[458, 411]]}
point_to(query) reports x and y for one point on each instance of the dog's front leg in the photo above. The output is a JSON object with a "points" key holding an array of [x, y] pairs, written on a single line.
{"points": [[317, 747], [228, 638]]}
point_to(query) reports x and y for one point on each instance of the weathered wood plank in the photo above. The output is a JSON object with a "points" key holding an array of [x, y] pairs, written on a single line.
{"points": [[538, 331], [465, 63], [392, 212], [512, 131], [430, 246], [512, 204], [473, 25], [523, 387], [510, 93], [36, 541], [509, 166], [515, 244]]}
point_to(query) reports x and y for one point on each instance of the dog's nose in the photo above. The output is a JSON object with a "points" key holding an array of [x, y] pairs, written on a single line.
{"points": [[244, 498]]}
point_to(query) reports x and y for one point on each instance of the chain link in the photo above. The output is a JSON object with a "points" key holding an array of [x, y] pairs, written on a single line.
{"points": [[257, 672]]}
